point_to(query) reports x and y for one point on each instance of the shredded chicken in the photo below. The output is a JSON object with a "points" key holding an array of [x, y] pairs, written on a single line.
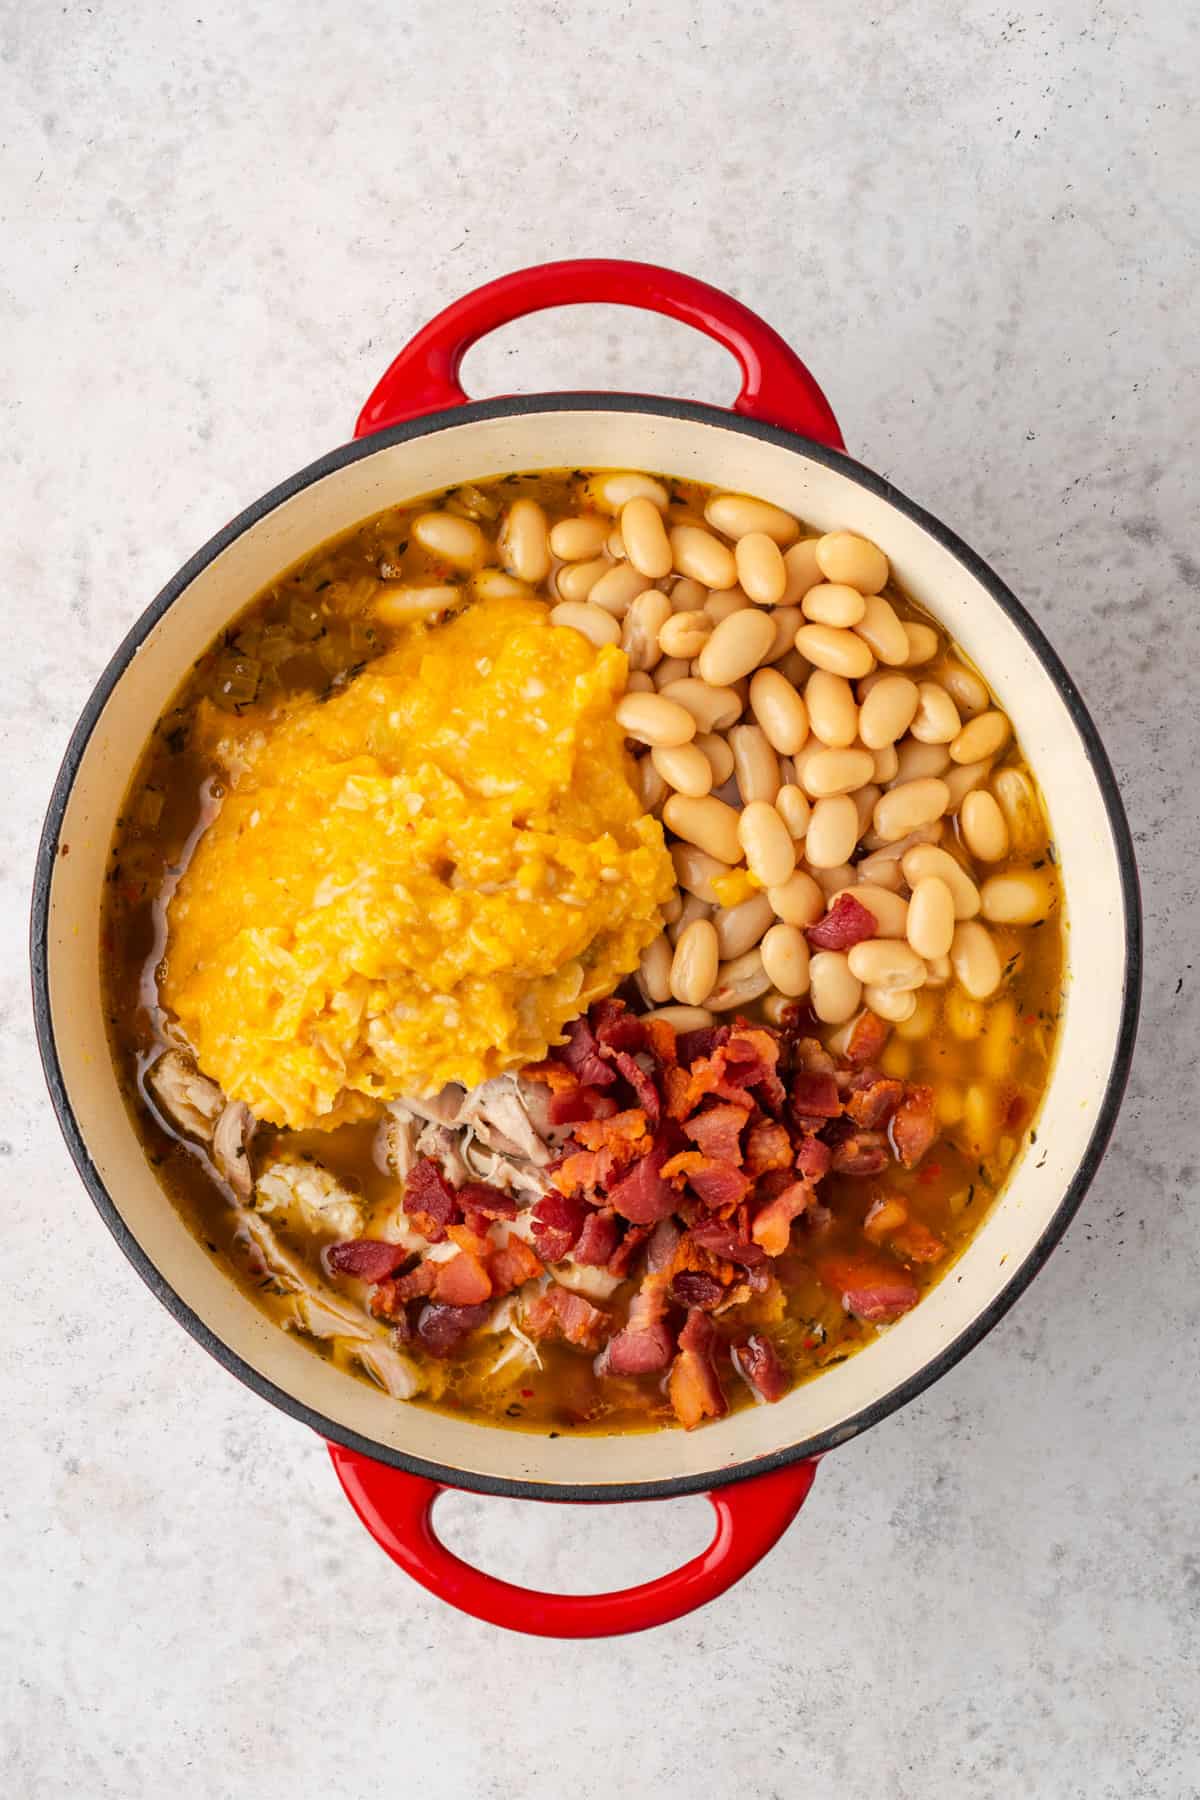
{"points": [[309, 1196], [188, 1098]]}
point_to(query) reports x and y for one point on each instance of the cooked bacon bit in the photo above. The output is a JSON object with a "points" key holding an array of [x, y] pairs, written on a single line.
{"points": [[870, 1287], [621, 1260], [645, 1343], [813, 1158], [597, 1240], [717, 1132], [885, 1213], [767, 1147], [558, 1219], [915, 1243], [847, 923], [727, 1239], [584, 1171], [660, 1041], [429, 1199], [555, 1075], [388, 1300], [693, 1385], [862, 1153], [642, 1085], [812, 1056], [467, 1238], [462, 1281], [720, 1185], [757, 1362], [581, 1054], [875, 1101], [815, 1096], [692, 1288], [570, 1315], [482, 1197], [616, 1027], [663, 1245], [913, 1127], [580, 1103], [366, 1259], [624, 1129], [867, 1039], [773, 1224], [442, 1328], [643, 1196], [513, 1264], [691, 1045]]}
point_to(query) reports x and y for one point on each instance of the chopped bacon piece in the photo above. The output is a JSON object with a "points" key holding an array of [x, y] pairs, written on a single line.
{"points": [[581, 1054], [584, 1171], [429, 1199], [717, 1132], [467, 1238], [663, 1245], [366, 1259], [815, 1096], [513, 1264], [492, 1202], [462, 1281], [862, 1153], [616, 1028], [870, 1287], [642, 1196], [661, 1041], [558, 1220], [768, 1147], [694, 1385], [554, 1075], [884, 1215], [812, 1056], [872, 1103], [644, 1344], [726, 1239], [757, 1362], [692, 1287], [913, 1242], [847, 923], [867, 1038], [813, 1158], [621, 1260], [719, 1185], [773, 1223], [913, 1127], [642, 1085], [623, 1130], [570, 1315], [442, 1328], [692, 1045], [580, 1103], [598, 1239], [389, 1298]]}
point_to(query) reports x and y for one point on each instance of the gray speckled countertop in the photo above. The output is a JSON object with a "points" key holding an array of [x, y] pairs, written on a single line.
{"points": [[978, 223]]}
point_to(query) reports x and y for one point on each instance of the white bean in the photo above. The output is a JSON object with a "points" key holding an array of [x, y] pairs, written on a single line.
{"points": [[642, 626], [886, 963], [1018, 897], [785, 958], [522, 544], [983, 736], [890, 912], [915, 761], [615, 487], [737, 645], [964, 687], [837, 772], [922, 643], [903, 808], [787, 621], [685, 768], [671, 668], [983, 826], [591, 622], [740, 927], [926, 861], [496, 584], [767, 843], [654, 970], [695, 963], [655, 720], [839, 652], [456, 541], [695, 872], [779, 710], [887, 764], [760, 568], [931, 915], [576, 540], [846, 557], [832, 714], [832, 604], [685, 634], [755, 763], [645, 537], [708, 823], [936, 719], [793, 808], [888, 711], [713, 708], [616, 590], [880, 628], [1017, 800], [683, 1018], [575, 581], [738, 515], [652, 789], [832, 832], [405, 605], [720, 756], [896, 1005], [834, 991], [739, 982], [698, 554], [798, 901], [803, 571], [965, 779], [974, 959]]}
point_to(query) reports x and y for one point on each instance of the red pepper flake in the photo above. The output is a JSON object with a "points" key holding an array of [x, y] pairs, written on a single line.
{"points": [[527, 1393]]}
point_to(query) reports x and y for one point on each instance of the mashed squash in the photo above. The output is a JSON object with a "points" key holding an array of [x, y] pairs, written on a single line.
{"points": [[421, 879]]}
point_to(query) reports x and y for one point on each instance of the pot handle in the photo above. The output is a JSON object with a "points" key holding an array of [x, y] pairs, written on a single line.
{"points": [[397, 1509], [776, 386]]}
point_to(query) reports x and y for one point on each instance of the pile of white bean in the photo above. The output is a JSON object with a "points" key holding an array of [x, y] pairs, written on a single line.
{"points": [[790, 725]]}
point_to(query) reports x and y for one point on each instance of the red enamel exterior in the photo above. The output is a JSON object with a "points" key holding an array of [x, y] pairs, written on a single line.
{"points": [[396, 1507], [397, 1510], [776, 386]]}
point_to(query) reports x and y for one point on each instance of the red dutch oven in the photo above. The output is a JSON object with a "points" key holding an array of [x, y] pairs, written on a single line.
{"points": [[417, 433]]}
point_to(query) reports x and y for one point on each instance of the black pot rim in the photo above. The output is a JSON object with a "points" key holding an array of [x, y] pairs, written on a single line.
{"points": [[1018, 1280]]}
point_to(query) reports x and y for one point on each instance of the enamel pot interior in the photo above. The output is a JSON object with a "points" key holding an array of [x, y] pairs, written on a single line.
{"points": [[708, 446]]}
